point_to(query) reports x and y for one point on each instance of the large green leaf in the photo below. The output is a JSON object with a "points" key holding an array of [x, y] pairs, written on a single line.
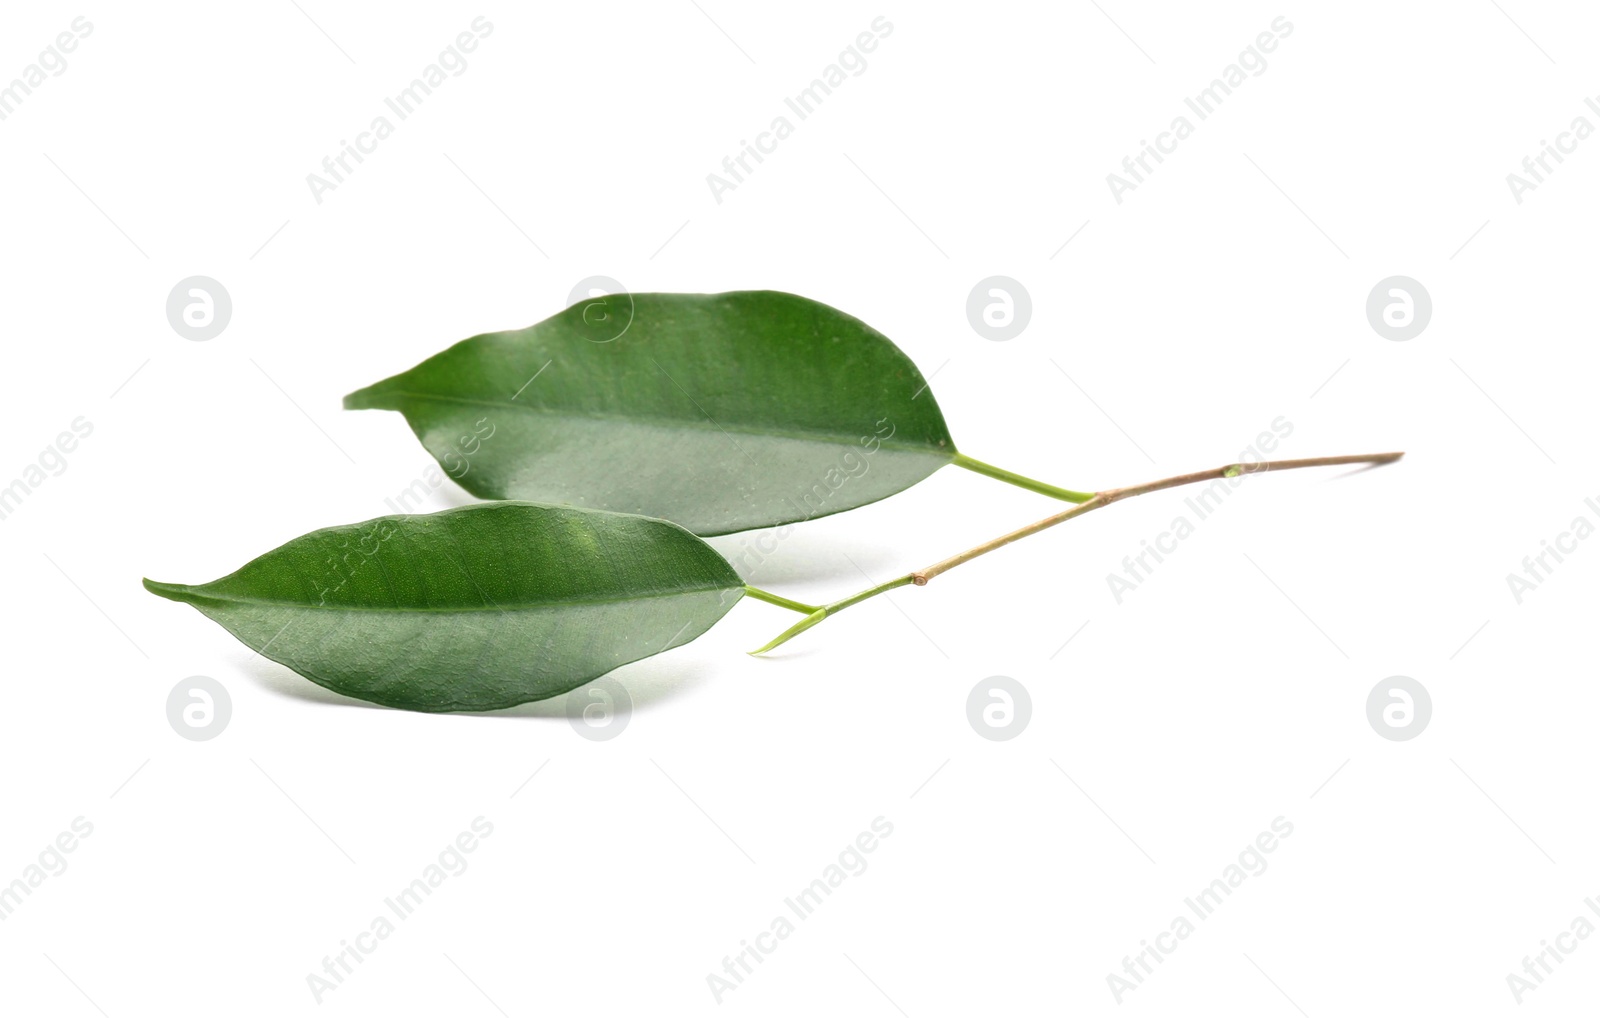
{"points": [[473, 608], [720, 412]]}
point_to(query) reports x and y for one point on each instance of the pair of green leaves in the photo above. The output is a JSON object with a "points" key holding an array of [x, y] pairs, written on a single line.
{"points": [[623, 427]]}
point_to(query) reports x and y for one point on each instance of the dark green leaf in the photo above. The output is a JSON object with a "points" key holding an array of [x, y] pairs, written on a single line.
{"points": [[474, 608], [720, 412]]}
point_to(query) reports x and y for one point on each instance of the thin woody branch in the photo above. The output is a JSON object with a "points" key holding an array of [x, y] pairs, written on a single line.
{"points": [[1099, 500]]}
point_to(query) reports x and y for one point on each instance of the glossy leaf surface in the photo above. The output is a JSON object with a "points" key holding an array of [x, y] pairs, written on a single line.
{"points": [[474, 608], [720, 412]]}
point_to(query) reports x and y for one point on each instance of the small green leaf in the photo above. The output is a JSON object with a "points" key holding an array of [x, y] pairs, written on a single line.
{"points": [[474, 608], [720, 412]]}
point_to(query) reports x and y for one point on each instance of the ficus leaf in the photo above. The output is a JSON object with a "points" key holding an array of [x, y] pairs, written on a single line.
{"points": [[474, 608], [720, 412]]}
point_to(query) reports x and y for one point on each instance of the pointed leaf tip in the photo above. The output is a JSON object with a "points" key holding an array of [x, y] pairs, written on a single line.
{"points": [[170, 591], [364, 399]]}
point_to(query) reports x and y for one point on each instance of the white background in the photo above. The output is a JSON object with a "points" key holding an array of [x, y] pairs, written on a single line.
{"points": [[1226, 291]]}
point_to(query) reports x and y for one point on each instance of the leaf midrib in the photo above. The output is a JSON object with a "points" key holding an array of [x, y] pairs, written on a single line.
{"points": [[516, 606], [838, 437]]}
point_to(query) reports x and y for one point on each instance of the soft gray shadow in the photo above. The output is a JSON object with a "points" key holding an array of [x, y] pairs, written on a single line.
{"points": [[649, 682], [280, 679], [454, 497], [789, 652], [801, 556], [804, 554], [1361, 470]]}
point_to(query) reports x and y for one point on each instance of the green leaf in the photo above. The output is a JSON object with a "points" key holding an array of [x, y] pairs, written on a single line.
{"points": [[474, 608], [720, 412]]}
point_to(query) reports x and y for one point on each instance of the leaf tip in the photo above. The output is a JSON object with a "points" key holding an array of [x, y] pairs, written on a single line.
{"points": [[361, 399], [377, 396], [170, 591]]}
